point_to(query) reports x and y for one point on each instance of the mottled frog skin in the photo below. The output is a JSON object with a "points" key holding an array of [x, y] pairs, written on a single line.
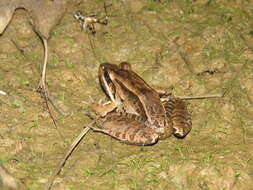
{"points": [[136, 115]]}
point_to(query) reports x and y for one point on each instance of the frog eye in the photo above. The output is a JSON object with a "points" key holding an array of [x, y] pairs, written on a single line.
{"points": [[125, 66]]}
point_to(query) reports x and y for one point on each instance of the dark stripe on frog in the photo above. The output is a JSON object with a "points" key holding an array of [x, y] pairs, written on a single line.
{"points": [[135, 117], [131, 98]]}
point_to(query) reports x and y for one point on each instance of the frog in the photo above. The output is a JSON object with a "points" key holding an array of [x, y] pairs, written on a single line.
{"points": [[136, 114]]}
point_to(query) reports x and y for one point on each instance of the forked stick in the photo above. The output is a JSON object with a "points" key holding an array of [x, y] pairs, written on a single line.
{"points": [[66, 156], [42, 89]]}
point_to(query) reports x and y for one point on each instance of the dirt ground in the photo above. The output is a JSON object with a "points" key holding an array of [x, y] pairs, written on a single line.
{"points": [[199, 47]]}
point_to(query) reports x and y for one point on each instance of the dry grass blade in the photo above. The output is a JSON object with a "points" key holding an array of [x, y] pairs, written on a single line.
{"points": [[66, 156]]}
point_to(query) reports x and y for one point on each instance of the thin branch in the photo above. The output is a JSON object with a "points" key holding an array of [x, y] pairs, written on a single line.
{"points": [[193, 97], [67, 155], [48, 109], [44, 91]]}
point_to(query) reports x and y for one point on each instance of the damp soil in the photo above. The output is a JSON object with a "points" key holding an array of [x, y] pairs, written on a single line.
{"points": [[198, 47]]}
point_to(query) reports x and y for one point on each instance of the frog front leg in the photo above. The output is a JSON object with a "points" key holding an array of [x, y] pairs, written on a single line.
{"points": [[177, 113], [104, 109]]}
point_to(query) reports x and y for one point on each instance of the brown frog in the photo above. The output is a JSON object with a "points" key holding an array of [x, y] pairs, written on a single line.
{"points": [[136, 115]]}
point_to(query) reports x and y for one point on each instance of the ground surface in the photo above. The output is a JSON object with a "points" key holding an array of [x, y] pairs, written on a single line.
{"points": [[199, 47]]}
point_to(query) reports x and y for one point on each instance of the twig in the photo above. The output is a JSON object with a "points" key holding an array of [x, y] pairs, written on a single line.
{"points": [[200, 97], [43, 74], [44, 91], [193, 97], [49, 111], [58, 110], [50, 114], [66, 156]]}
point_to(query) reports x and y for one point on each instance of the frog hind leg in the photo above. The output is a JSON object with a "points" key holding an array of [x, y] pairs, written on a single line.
{"points": [[176, 110], [128, 130]]}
